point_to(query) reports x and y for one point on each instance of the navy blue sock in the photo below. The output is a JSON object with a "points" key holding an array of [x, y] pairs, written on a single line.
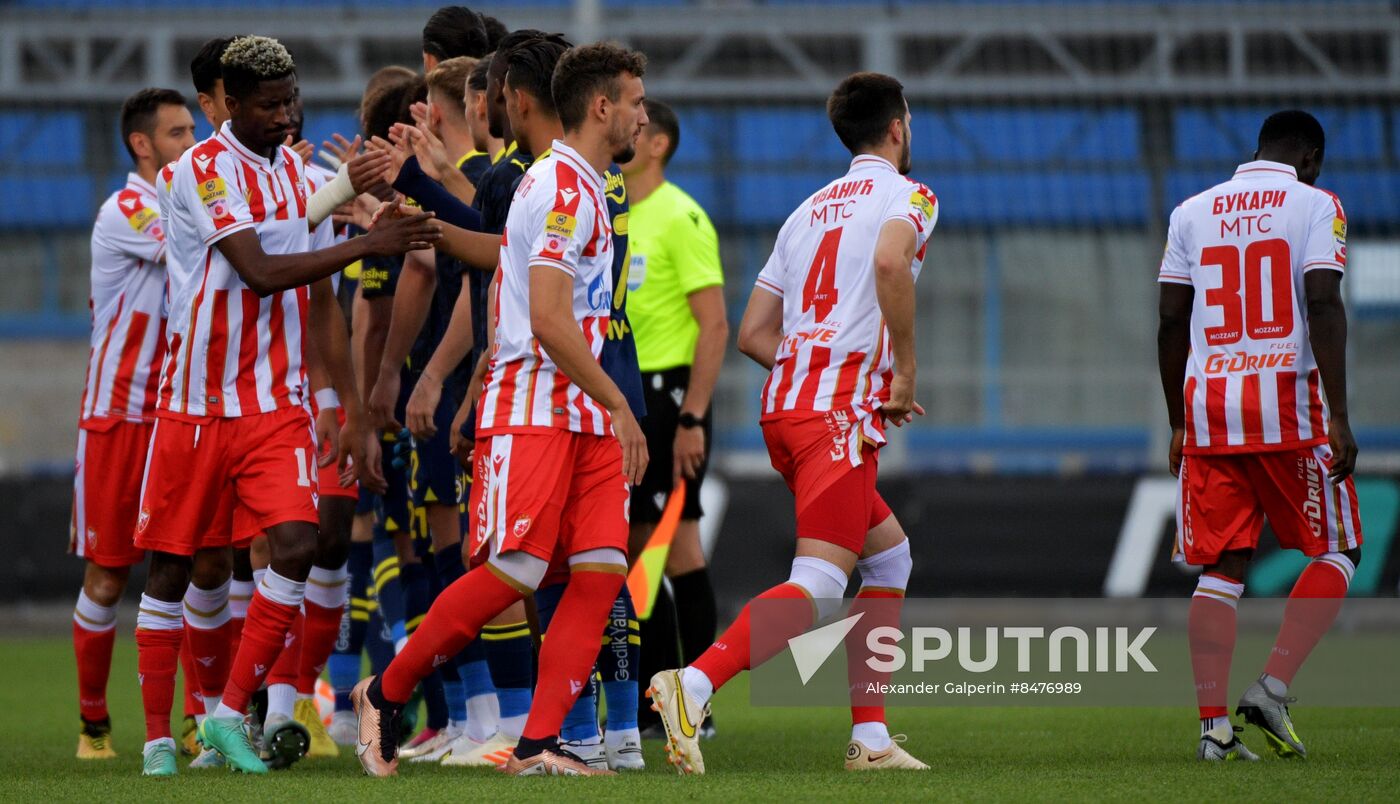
{"points": [[343, 666], [510, 653], [581, 723], [388, 586], [417, 586], [619, 662], [379, 642]]}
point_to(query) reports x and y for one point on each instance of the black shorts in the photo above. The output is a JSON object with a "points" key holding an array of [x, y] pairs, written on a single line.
{"points": [[664, 391]]}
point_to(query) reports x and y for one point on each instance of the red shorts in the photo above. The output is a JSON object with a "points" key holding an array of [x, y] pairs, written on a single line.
{"points": [[107, 493], [1226, 498], [328, 477], [836, 502], [548, 493], [222, 480]]}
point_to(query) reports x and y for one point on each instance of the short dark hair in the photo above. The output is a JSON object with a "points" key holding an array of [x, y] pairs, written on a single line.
{"points": [[500, 58], [530, 66], [495, 31], [392, 104], [205, 68], [1294, 128], [476, 79], [585, 72], [455, 31], [139, 112], [862, 107], [250, 60], [662, 118]]}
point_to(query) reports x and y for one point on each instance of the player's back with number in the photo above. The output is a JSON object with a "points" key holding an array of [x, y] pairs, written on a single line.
{"points": [[1244, 246], [835, 353]]}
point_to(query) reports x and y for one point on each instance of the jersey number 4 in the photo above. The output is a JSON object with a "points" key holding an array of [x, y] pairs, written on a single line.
{"points": [[1246, 313], [819, 292]]}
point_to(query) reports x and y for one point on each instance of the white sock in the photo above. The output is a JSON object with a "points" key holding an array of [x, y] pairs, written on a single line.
{"points": [[1210, 724], [211, 703], [697, 685], [223, 711], [1274, 685], [512, 727], [150, 744], [92, 617], [873, 735], [280, 699], [614, 738], [483, 717]]}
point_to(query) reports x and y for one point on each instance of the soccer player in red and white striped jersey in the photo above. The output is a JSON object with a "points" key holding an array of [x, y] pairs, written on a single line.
{"points": [[558, 441], [1252, 354], [232, 453], [119, 398], [832, 317]]}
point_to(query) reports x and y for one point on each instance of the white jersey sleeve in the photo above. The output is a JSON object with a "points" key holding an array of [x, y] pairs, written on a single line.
{"points": [[1176, 266], [1326, 245], [207, 196]]}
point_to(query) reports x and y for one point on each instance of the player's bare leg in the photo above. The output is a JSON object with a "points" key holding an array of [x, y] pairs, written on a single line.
{"points": [[682, 697], [1211, 631], [885, 565], [94, 631]]}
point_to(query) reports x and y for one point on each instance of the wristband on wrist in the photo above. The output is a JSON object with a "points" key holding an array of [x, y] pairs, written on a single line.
{"points": [[326, 398]]}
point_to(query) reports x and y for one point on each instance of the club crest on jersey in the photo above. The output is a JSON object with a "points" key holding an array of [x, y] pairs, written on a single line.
{"points": [[143, 520], [521, 526]]}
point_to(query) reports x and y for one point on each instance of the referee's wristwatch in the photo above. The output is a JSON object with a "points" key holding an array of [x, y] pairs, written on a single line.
{"points": [[688, 420]]}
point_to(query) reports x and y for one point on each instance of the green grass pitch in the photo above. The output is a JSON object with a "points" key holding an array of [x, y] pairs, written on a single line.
{"points": [[761, 753]]}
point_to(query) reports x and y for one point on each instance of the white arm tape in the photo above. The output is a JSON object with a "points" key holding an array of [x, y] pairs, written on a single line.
{"points": [[326, 398], [325, 200]]}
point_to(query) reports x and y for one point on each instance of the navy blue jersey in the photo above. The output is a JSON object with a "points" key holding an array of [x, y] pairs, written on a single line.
{"points": [[493, 197], [474, 166], [619, 358]]}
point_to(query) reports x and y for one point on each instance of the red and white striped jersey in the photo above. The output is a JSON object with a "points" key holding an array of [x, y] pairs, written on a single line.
{"points": [[835, 354], [230, 352], [559, 218], [1252, 384], [128, 307]]}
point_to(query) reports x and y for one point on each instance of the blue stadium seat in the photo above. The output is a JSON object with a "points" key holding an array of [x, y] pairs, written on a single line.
{"points": [[48, 201], [1046, 135], [705, 135], [1045, 198], [41, 139], [769, 137], [1231, 133]]}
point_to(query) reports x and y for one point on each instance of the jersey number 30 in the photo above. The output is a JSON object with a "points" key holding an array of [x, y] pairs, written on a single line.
{"points": [[819, 291], [1247, 314]]}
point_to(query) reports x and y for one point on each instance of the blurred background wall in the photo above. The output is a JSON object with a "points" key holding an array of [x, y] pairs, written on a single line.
{"points": [[1058, 136]]}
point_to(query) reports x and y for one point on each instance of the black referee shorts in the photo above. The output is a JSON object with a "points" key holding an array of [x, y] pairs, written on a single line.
{"points": [[664, 391]]}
